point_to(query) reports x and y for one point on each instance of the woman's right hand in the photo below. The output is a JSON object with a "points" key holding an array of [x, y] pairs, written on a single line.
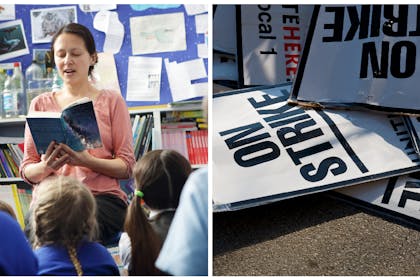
{"points": [[54, 158]]}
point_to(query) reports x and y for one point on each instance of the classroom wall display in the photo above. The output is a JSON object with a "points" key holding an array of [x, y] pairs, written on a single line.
{"points": [[107, 35]]}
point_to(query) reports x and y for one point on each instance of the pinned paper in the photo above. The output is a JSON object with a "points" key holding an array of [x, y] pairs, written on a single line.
{"points": [[201, 24], [86, 8], [158, 33], [143, 82], [7, 12], [138, 7], [105, 72], [180, 76], [194, 9], [109, 23]]}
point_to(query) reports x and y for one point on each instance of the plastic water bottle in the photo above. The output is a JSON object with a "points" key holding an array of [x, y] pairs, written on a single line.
{"points": [[57, 81], [34, 82], [10, 97], [2, 80], [20, 89]]}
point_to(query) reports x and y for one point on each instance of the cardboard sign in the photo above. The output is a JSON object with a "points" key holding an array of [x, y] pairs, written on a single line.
{"points": [[397, 195], [361, 56], [265, 150], [271, 41]]}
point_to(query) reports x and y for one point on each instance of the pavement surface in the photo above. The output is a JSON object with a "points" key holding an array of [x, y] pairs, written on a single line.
{"points": [[313, 235]]}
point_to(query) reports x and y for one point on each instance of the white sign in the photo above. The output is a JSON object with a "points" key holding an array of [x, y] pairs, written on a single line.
{"points": [[413, 126], [397, 194], [266, 150], [273, 37], [361, 55]]}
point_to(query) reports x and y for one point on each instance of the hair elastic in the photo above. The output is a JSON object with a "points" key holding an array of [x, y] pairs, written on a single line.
{"points": [[139, 193]]}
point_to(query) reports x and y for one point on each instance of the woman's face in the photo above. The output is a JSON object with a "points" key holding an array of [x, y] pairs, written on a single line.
{"points": [[72, 58]]}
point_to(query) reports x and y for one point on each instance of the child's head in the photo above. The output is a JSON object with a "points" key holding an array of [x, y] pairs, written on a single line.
{"points": [[64, 212], [7, 208], [161, 175]]}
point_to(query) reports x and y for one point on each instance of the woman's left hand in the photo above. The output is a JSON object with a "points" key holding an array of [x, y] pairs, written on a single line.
{"points": [[76, 158]]}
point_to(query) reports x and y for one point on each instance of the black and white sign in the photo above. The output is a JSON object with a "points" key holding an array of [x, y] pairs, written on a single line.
{"points": [[266, 150], [272, 38], [361, 55], [413, 126], [399, 194]]}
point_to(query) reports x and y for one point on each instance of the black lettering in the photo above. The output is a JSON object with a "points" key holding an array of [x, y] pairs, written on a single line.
{"points": [[290, 19], [273, 153], [323, 169], [296, 133], [268, 100], [294, 7], [410, 59], [389, 189], [369, 50], [337, 26], [266, 8], [396, 26], [356, 22], [375, 26], [296, 156], [416, 32], [264, 28], [267, 15], [406, 195], [236, 140], [272, 51]]}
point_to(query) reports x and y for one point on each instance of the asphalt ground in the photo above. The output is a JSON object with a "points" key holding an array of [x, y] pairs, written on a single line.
{"points": [[313, 235]]}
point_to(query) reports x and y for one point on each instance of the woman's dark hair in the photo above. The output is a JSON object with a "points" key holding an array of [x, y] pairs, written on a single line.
{"points": [[81, 31], [160, 175]]}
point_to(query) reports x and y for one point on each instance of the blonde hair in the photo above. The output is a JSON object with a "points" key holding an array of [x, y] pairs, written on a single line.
{"points": [[64, 213], [4, 206]]}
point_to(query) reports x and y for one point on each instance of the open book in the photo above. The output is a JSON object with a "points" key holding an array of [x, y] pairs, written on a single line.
{"points": [[75, 126]]}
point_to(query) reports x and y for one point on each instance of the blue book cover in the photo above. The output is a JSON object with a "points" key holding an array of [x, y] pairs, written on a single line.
{"points": [[75, 126]]}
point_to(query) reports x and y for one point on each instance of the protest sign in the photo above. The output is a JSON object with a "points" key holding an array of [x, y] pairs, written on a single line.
{"points": [[413, 126], [397, 195], [361, 56], [270, 41], [266, 150]]}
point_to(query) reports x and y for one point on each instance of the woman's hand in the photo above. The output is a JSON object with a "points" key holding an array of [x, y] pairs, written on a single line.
{"points": [[55, 157], [75, 158]]}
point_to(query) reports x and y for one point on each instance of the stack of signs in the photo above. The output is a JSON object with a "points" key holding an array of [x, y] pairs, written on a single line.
{"points": [[277, 142]]}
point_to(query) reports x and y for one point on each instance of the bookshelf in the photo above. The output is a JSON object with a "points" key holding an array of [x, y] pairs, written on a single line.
{"points": [[158, 112]]}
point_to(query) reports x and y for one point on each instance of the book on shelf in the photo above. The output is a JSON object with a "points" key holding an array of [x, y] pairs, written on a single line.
{"points": [[75, 126], [9, 194], [147, 133], [141, 131], [10, 158]]}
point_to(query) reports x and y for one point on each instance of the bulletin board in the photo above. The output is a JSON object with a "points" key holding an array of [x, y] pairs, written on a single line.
{"points": [[125, 12]]}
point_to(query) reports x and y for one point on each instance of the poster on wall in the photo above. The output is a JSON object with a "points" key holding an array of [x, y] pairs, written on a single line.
{"points": [[272, 38], [361, 56], [265, 150], [158, 33], [46, 22], [13, 40]]}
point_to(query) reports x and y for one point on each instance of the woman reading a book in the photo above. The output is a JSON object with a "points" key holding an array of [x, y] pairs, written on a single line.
{"points": [[75, 55]]}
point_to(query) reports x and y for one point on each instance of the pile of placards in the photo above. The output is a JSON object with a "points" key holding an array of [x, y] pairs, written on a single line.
{"points": [[349, 121]]}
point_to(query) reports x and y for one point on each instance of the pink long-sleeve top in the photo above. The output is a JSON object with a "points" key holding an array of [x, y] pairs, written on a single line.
{"points": [[117, 141]]}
